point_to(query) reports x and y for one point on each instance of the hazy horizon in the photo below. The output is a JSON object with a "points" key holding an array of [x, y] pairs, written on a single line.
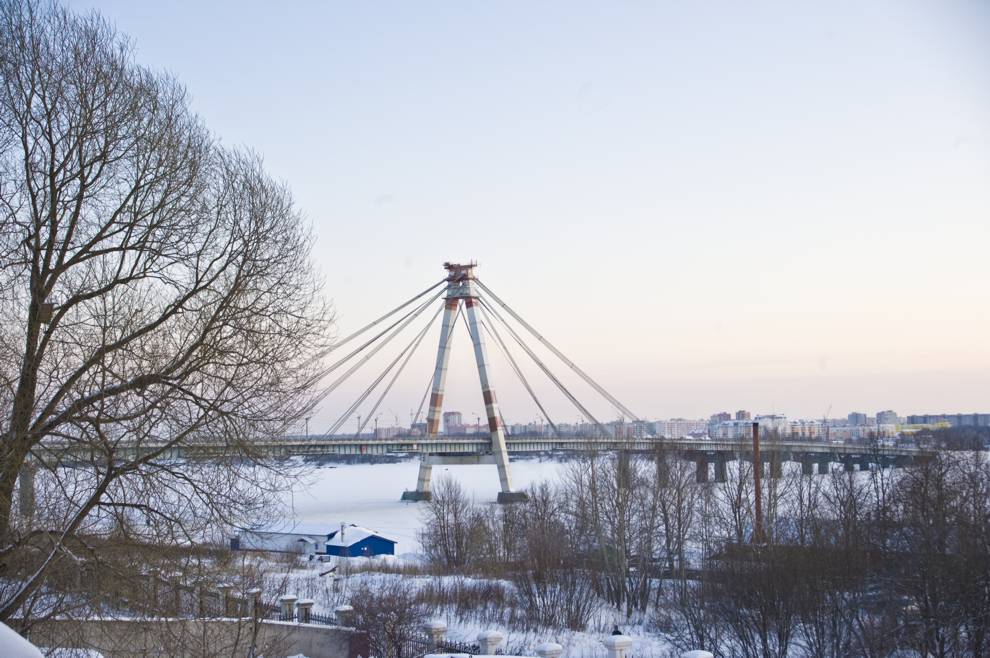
{"points": [[768, 207]]}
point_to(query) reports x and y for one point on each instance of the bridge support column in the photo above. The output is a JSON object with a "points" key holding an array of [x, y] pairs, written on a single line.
{"points": [[422, 492], [776, 465], [701, 474], [864, 464], [461, 287], [807, 467], [824, 467], [848, 465], [721, 471]]}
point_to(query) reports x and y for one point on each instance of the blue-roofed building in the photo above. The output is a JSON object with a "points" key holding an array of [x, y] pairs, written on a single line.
{"points": [[355, 541]]}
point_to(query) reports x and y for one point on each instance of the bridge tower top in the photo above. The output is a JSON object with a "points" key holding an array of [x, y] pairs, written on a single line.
{"points": [[459, 280]]}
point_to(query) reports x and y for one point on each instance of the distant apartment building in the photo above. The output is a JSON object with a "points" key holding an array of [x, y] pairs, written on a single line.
{"points": [[857, 418], [733, 429], [717, 419], [806, 429], [887, 417], [676, 428], [952, 420], [388, 432], [453, 422], [640, 429], [742, 414]]}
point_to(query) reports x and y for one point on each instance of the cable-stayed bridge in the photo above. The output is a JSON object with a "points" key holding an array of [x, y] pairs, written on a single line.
{"points": [[461, 295]]}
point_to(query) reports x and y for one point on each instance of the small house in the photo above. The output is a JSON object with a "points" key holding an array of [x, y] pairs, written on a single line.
{"points": [[307, 539], [354, 541]]}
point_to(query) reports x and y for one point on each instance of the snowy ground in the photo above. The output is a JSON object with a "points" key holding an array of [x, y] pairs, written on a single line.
{"points": [[368, 494], [304, 581]]}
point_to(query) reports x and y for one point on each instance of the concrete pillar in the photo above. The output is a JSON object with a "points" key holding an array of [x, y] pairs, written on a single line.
{"points": [[288, 607], [617, 645], [776, 466], [422, 492], [549, 650], [303, 609], [824, 467], [489, 641], [436, 630], [721, 472], [848, 465], [254, 607], [344, 615], [864, 464], [226, 600], [701, 474], [807, 467]]}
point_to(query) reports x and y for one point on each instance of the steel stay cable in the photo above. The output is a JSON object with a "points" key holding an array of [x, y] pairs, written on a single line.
{"points": [[392, 312], [591, 382], [501, 418], [429, 383], [388, 387], [364, 396], [367, 343], [563, 389], [406, 320], [377, 348], [490, 329]]}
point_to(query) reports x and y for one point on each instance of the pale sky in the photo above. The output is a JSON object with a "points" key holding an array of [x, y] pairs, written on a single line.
{"points": [[777, 206]]}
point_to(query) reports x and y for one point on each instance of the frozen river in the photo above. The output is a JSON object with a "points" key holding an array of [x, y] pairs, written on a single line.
{"points": [[368, 494]]}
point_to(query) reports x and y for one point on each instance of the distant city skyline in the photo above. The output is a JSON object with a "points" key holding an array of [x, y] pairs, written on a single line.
{"points": [[728, 206]]}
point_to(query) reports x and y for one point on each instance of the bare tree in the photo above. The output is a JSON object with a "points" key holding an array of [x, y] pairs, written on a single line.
{"points": [[155, 294], [451, 526]]}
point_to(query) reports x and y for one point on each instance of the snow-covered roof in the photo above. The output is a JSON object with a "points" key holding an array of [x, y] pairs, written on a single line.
{"points": [[13, 645], [352, 535]]}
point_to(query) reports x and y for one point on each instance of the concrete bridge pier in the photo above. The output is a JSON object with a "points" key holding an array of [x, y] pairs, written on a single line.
{"points": [[824, 467], [423, 492], [848, 465], [807, 467], [701, 475], [721, 470], [776, 466]]}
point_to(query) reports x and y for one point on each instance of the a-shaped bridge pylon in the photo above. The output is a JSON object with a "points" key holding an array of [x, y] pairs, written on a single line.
{"points": [[465, 297], [461, 290]]}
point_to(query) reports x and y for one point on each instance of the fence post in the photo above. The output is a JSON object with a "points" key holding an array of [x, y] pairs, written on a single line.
{"points": [[254, 602], [436, 629], [489, 641], [288, 603], [616, 645], [549, 650], [343, 614], [225, 603], [304, 607]]}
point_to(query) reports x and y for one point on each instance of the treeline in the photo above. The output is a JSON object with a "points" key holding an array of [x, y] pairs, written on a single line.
{"points": [[872, 563]]}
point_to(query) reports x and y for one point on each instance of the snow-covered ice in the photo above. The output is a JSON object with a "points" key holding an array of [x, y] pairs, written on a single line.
{"points": [[368, 494]]}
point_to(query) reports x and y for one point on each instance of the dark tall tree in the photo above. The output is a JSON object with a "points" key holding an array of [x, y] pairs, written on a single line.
{"points": [[155, 291]]}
